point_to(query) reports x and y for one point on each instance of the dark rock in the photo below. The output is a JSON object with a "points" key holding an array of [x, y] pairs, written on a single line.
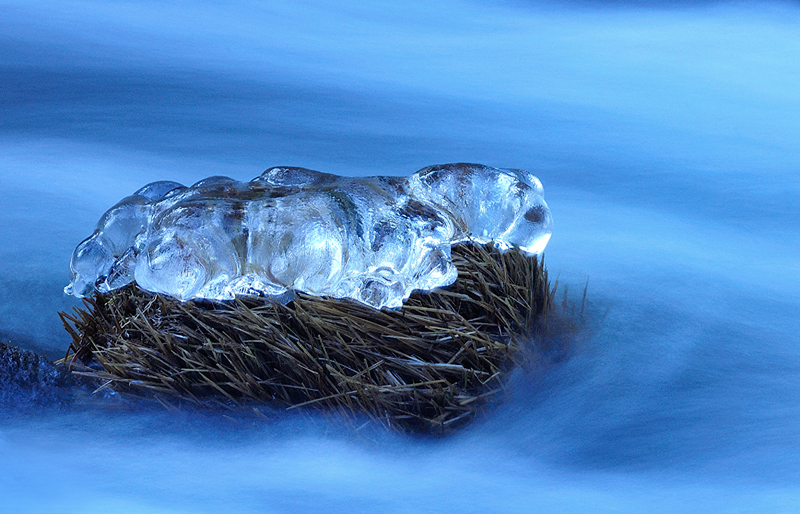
{"points": [[28, 379]]}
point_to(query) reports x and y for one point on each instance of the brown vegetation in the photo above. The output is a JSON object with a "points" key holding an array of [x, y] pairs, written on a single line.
{"points": [[429, 366]]}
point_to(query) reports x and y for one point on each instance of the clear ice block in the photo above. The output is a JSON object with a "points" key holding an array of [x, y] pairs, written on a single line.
{"points": [[373, 239]]}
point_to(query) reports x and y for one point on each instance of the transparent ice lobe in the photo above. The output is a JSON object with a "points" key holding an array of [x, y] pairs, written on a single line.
{"points": [[503, 206], [373, 239]]}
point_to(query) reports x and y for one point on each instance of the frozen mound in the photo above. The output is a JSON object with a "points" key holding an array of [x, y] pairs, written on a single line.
{"points": [[372, 239]]}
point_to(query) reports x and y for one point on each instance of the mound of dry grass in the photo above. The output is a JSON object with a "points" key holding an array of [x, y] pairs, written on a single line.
{"points": [[426, 367]]}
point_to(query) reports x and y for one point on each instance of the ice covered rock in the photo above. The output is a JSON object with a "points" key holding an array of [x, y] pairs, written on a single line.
{"points": [[372, 239]]}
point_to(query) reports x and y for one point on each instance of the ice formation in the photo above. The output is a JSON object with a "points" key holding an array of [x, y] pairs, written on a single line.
{"points": [[372, 239]]}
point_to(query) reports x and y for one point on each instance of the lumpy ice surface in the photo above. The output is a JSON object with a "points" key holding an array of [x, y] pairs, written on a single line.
{"points": [[372, 239]]}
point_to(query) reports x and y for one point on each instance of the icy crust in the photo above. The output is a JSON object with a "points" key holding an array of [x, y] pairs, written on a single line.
{"points": [[372, 239]]}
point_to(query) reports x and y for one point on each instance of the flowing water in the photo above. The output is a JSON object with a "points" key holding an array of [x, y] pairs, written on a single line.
{"points": [[667, 139]]}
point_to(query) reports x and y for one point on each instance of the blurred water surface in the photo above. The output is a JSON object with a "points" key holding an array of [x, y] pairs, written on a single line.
{"points": [[666, 136]]}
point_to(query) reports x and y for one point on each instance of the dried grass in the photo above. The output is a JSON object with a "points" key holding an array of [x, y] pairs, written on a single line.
{"points": [[428, 366]]}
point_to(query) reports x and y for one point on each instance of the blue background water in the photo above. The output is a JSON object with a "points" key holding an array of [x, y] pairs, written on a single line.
{"points": [[667, 138]]}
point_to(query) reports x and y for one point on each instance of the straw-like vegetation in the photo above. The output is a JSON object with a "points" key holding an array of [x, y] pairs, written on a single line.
{"points": [[428, 366]]}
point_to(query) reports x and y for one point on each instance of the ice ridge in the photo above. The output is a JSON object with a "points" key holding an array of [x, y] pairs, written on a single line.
{"points": [[371, 239]]}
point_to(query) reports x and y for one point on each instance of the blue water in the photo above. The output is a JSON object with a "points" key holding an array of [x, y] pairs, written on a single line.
{"points": [[668, 141]]}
